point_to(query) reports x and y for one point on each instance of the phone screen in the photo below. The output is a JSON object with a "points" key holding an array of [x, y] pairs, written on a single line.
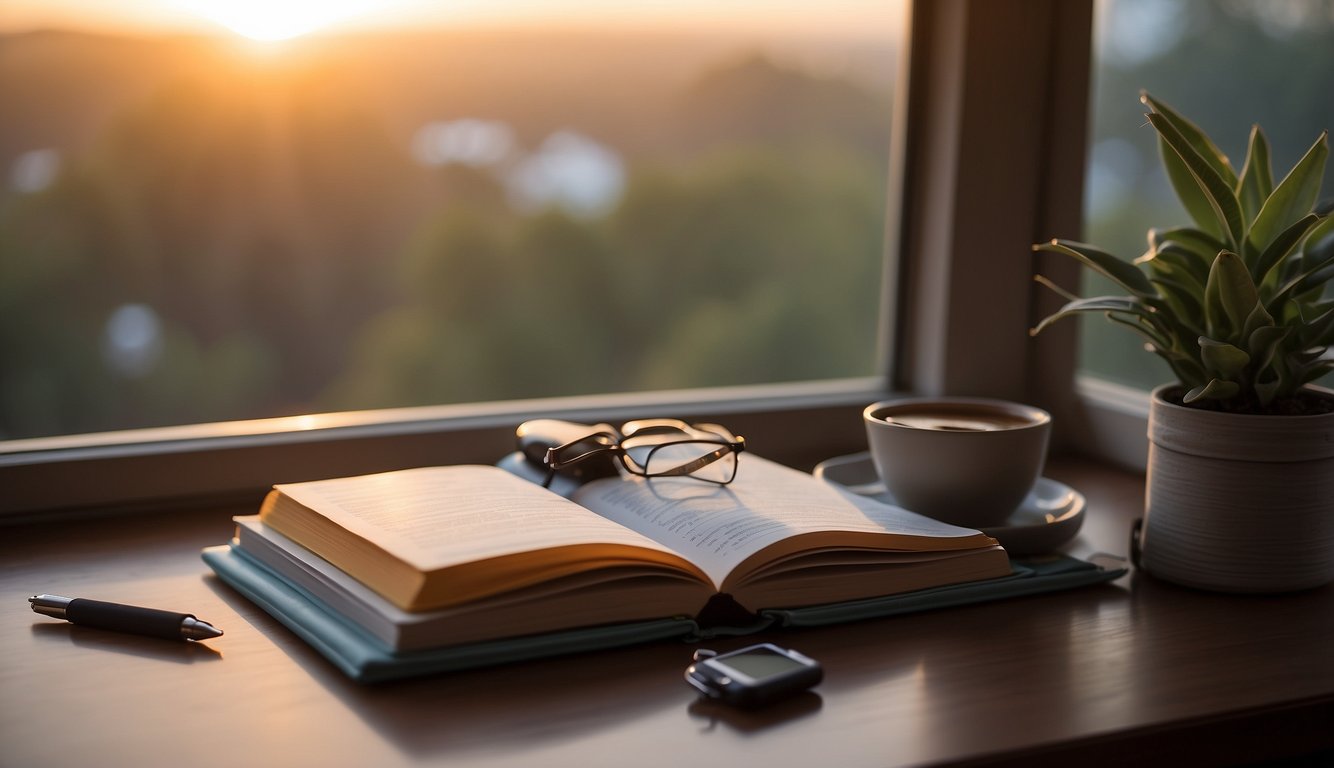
{"points": [[760, 663]]}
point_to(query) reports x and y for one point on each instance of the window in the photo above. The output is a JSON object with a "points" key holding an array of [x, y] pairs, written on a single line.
{"points": [[990, 161], [1225, 66], [427, 205]]}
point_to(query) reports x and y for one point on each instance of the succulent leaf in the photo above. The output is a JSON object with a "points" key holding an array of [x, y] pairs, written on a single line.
{"points": [[1230, 295], [1182, 296], [1314, 277], [1319, 330], [1172, 257], [1058, 290], [1217, 191], [1123, 304], [1315, 371], [1221, 358], [1257, 177], [1116, 270], [1281, 246], [1196, 241], [1258, 318], [1190, 192], [1263, 343], [1307, 356], [1293, 198], [1197, 138], [1319, 244], [1267, 390], [1216, 389], [1157, 341]]}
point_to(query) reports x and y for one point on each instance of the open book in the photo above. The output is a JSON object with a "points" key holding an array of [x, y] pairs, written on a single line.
{"points": [[467, 553]]}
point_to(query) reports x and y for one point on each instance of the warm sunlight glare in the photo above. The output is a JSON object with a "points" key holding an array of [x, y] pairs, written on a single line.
{"points": [[276, 19]]}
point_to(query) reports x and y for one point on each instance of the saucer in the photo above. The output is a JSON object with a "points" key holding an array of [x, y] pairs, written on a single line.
{"points": [[1049, 517]]}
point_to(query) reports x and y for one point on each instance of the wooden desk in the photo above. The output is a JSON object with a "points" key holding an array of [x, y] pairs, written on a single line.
{"points": [[1133, 670]]}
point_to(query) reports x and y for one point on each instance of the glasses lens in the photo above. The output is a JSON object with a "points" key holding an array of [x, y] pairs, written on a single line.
{"points": [[639, 444], [703, 459]]}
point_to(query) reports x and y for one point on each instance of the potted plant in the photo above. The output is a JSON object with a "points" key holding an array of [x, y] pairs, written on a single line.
{"points": [[1240, 492]]}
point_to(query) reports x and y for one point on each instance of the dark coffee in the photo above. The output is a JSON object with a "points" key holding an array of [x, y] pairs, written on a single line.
{"points": [[953, 419], [964, 461]]}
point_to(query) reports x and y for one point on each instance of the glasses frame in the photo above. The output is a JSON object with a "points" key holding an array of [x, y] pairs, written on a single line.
{"points": [[605, 442]]}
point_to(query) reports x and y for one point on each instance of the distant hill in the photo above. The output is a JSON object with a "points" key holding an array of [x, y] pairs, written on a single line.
{"points": [[62, 88]]}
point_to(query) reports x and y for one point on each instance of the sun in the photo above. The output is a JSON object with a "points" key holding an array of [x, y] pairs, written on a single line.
{"points": [[270, 20]]}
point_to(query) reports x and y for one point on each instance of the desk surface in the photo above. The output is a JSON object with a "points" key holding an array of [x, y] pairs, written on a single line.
{"points": [[1134, 668]]}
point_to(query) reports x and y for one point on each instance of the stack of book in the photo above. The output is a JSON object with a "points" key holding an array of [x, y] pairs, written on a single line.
{"points": [[443, 568]]}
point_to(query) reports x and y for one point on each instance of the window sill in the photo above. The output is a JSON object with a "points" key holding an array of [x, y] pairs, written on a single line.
{"points": [[235, 462]]}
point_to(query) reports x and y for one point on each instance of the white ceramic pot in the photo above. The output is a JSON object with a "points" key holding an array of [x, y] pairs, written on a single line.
{"points": [[1238, 503]]}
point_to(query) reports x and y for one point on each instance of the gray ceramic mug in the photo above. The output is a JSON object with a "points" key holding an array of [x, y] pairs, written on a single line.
{"points": [[966, 461]]}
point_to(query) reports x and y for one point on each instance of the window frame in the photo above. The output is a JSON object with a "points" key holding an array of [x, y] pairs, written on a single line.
{"points": [[978, 186]]}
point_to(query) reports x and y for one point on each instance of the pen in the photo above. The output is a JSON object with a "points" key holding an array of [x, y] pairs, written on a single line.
{"points": [[124, 618]]}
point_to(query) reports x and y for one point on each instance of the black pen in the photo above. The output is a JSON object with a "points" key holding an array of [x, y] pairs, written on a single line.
{"points": [[124, 618]]}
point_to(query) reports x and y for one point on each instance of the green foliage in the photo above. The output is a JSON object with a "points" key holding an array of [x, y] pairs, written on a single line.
{"points": [[746, 266], [1234, 304], [270, 215]]}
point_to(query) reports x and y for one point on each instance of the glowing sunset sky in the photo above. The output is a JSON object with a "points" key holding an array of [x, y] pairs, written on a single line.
{"points": [[279, 19]]}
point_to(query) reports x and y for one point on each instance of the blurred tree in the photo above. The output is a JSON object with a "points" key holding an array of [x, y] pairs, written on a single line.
{"points": [[755, 266], [752, 266], [280, 253]]}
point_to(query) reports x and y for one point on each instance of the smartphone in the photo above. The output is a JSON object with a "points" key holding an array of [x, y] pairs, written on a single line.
{"points": [[753, 676]]}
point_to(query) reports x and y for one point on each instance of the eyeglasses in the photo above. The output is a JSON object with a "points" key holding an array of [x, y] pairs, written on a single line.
{"points": [[657, 448]]}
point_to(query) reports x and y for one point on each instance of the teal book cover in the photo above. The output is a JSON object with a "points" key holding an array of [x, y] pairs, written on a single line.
{"points": [[364, 658]]}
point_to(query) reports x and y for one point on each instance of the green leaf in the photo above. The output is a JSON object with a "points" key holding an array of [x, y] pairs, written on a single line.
{"points": [[1258, 318], [1319, 244], [1266, 390], [1199, 141], [1157, 342], [1054, 288], [1230, 295], [1216, 389], [1315, 249], [1315, 276], [1189, 191], [1183, 297], [1174, 258], [1120, 272], [1257, 180], [1315, 371], [1222, 358], [1217, 191], [1307, 356], [1319, 330], [1201, 243], [1311, 285], [1282, 245], [1124, 304], [1185, 363], [1292, 198], [1262, 344]]}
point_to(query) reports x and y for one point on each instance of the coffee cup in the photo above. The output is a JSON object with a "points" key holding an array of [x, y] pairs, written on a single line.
{"points": [[966, 461]]}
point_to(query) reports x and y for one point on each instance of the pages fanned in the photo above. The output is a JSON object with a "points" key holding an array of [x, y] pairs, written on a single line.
{"points": [[436, 556]]}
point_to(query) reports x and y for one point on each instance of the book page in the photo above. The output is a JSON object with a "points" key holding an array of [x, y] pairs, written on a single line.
{"points": [[436, 517], [718, 527]]}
